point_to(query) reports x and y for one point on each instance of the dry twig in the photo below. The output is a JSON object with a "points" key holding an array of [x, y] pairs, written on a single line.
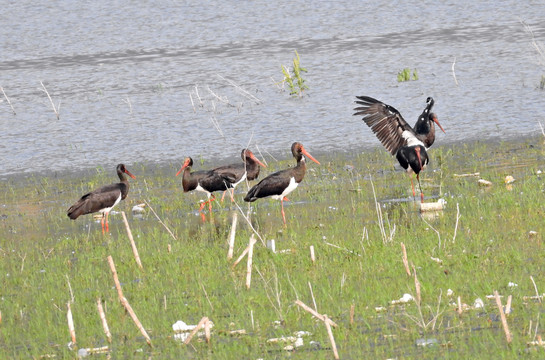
{"points": [[7, 99], [56, 109], [508, 336], [103, 320], [160, 221], [131, 239]]}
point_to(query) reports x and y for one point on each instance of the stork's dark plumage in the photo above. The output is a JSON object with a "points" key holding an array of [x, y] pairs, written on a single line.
{"points": [[398, 137], [247, 170], [279, 184], [102, 199], [206, 181]]}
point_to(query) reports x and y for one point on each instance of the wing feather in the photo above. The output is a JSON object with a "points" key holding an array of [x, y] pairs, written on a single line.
{"points": [[385, 122]]}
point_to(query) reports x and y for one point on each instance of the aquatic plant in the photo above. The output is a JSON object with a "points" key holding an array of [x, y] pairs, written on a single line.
{"points": [[540, 51], [295, 81], [406, 75]]}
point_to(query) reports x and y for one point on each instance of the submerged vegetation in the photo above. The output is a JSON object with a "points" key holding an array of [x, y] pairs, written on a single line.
{"points": [[397, 283], [295, 81]]}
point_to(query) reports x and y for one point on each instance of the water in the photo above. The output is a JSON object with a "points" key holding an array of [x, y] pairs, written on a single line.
{"points": [[129, 75]]}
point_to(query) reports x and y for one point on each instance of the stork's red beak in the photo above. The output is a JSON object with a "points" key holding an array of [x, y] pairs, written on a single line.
{"points": [[434, 118], [129, 173], [186, 163], [252, 156], [308, 155]]}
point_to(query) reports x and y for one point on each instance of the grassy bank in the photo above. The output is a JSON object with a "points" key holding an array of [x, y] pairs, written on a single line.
{"points": [[487, 238]]}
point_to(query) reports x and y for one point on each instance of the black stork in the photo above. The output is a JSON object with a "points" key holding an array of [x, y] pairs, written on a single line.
{"points": [[206, 181], [102, 199], [398, 137], [279, 184], [247, 170]]}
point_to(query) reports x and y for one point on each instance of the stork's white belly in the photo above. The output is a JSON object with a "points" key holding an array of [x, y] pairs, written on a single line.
{"points": [[201, 189], [292, 186], [107, 210], [241, 180], [411, 139]]}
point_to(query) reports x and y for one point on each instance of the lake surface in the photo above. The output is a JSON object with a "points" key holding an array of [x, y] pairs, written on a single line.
{"points": [[153, 82]]}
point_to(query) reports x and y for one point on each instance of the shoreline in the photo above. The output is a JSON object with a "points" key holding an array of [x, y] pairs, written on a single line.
{"points": [[280, 155]]}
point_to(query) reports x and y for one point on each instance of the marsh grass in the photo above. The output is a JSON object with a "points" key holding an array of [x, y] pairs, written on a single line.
{"points": [[334, 210]]}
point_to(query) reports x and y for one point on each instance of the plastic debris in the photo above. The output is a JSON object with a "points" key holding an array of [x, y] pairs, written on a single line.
{"points": [[426, 342], [433, 206], [478, 303], [403, 300], [182, 330], [282, 339], [138, 209]]}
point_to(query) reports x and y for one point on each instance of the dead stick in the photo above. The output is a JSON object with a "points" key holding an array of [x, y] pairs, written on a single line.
{"points": [[417, 287], [249, 266], [194, 331], [71, 323], [508, 336], [103, 320], [55, 109], [312, 257], [160, 221], [467, 175], [207, 330], [314, 313], [241, 256], [460, 310], [453, 73], [352, 308], [7, 99], [508, 305], [131, 239], [232, 234], [535, 287], [116, 279], [70, 288], [331, 338], [405, 259], [131, 312], [312, 294]]}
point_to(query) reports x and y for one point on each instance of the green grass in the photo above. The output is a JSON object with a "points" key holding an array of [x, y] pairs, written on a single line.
{"points": [[42, 251]]}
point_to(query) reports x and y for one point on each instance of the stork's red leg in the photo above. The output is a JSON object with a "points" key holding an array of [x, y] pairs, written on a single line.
{"points": [[283, 214], [420, 186], [107, 226], [210, 203]]}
